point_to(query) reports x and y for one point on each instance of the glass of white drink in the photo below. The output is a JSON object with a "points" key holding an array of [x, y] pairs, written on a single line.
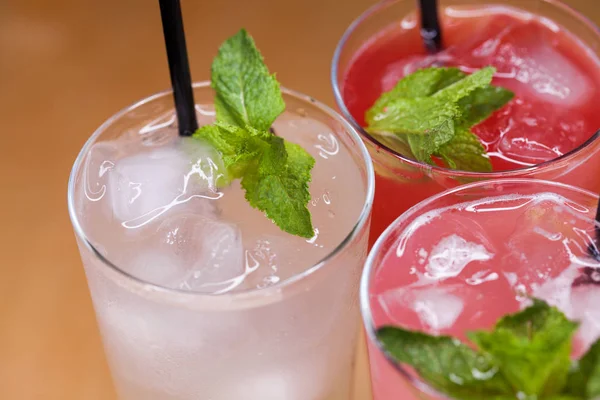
{"points": [[198, 295]]}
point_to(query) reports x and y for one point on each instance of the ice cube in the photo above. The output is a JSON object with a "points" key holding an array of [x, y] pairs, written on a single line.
{"points": [[219, 262], [521, 54], [584, 308], [147, 184], [552, 76], [451, 255], [436, 308], [529, 134], [452, 309], [544, 120], [540, 247], [557, 291], [191, 252]]}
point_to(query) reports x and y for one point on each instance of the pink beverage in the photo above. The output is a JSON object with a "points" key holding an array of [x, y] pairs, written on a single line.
{"points": [[460, 260], [544, 52]]}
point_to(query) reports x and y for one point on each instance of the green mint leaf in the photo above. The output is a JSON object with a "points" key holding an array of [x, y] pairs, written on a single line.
{"points": [[432, 106], [279, 186], [524, 357], [446, 364], [481, 103], [584, 377], [413, 116], [246, 93], [237, 148], [531, 348], [275, 174], [464, 87], [465, 152], [428, 121], [423, 83], [424, 135]]}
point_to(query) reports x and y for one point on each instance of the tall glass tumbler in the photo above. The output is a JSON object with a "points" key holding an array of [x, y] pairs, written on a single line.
{"points": [[292, 339]]}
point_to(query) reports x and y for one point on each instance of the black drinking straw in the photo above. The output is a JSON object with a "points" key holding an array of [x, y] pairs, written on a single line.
{"points": [[593, 247], [431, 31], [179, 66], [587, 273]]}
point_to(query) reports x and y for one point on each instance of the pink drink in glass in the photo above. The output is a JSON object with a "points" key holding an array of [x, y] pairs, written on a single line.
{"points": [[543, 51], [460, 260]]}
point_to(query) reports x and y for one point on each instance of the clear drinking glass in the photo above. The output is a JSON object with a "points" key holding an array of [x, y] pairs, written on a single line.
{"points": [[402, 182], [460, 260], [295, 339]]}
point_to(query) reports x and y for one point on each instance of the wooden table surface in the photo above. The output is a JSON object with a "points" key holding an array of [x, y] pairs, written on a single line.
{"points": [[66, 66]]}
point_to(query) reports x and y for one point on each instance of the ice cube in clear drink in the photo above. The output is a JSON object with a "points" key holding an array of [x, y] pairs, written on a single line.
{"points": [[192, 252], [145, 185]]}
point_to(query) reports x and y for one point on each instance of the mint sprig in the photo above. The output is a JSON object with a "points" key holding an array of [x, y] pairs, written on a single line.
{"points": [[583, 380], [246, 94], [274, 173], [531, 348], [431, 113], [525, 357], [445, 363]]}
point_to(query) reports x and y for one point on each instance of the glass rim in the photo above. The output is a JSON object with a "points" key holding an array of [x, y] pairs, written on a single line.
{"points": [[138, 284], [337, 94], [411, 213]]}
